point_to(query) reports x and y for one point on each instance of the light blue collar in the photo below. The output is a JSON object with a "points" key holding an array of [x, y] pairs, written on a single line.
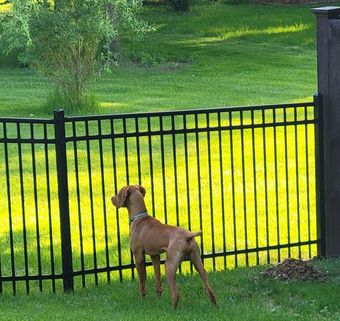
{"points": [[138, 216]]}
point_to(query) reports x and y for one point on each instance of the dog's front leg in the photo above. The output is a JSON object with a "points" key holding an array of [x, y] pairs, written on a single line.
{"points": [[156, 266], [139, 258]]}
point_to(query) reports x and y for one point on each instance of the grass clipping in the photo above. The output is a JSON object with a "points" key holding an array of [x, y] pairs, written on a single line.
{"points": [[294, 270]]}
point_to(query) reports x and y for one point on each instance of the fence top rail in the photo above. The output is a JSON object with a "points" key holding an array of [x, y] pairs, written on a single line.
{"points": [[49, 121], [25, 120], [180, 112]]}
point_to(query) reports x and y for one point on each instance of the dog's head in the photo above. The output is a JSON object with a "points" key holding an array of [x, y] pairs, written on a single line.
{"points": [[121, 199]]}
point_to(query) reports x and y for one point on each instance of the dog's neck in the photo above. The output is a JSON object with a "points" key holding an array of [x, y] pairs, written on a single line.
{"points": [[136, 204]]}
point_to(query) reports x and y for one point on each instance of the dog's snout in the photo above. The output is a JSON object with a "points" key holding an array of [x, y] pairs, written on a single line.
{"points": [[114, 200]]}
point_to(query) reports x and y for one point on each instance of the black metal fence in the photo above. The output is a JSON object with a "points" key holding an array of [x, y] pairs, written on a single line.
{"points": [[246, 176]]}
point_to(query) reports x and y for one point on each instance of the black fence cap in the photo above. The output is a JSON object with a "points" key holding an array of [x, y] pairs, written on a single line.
{"points": [[331, 11]]}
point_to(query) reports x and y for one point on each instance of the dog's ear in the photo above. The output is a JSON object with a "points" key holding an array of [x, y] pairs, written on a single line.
{"points": [[124, 193], [142, 190]]}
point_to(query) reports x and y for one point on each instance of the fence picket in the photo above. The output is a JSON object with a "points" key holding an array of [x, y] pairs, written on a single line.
{"points": [[199, 174]]}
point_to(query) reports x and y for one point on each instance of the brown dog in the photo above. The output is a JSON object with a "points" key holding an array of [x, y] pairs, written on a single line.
{"points": [[150, 236]]}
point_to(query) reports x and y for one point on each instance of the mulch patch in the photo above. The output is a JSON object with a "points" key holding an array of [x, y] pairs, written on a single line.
{"points": [[294, 270]]}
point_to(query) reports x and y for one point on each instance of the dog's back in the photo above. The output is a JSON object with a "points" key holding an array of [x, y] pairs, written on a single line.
{"points": [[154, 237]]}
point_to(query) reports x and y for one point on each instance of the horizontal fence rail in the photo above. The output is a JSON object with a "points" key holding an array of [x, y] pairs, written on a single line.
{"points": [[245, 176]]}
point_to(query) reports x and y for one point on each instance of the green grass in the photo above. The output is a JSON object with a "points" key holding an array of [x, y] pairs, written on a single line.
{"points": [[216, 55], [290, 214], [241, 296]]}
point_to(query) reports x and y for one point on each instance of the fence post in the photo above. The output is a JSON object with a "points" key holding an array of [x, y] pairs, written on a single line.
{"points": [[66, 249], [320, 191], [328, 53]]}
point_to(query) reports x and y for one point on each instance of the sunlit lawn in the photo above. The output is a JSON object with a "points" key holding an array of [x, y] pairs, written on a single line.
{"points": [[259, 208], [217, 55], [4, 7]]}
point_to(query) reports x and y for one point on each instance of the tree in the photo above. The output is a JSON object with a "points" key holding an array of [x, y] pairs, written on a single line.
{"points": [[70, 41]]}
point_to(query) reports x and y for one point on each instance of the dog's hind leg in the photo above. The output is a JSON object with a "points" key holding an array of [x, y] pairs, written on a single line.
{"points": [[195, 258], [173, 260], [170, 271]]}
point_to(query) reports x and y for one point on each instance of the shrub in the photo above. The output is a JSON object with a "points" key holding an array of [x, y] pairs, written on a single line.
{"points": [[70, 41]]}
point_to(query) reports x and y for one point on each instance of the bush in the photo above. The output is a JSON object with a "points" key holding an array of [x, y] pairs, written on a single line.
{"points": [[69, 41]]}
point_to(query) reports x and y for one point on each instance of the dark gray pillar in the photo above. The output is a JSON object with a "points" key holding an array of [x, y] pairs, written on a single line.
{"points": [[328, 55]]}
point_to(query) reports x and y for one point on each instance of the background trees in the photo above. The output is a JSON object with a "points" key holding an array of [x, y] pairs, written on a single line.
{"points": [[70, 41]]}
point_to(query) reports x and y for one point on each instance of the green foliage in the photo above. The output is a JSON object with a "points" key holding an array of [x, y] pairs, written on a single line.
{"points": [[218, 55], [69, 41], [6, 60]]}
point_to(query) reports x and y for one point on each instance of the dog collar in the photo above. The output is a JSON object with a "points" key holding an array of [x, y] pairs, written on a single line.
{"points": [[138, 216]]}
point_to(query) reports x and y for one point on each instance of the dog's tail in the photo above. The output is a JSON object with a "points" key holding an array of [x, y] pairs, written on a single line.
{"points": [[191, 235]]}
